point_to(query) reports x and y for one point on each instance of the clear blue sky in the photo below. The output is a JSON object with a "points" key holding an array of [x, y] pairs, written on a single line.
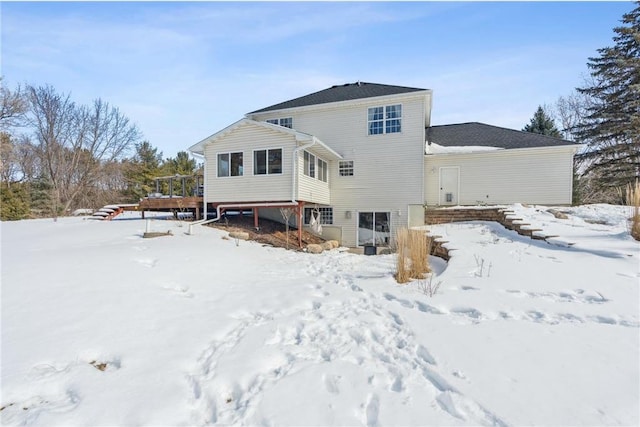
{"points": [[182, 71]]}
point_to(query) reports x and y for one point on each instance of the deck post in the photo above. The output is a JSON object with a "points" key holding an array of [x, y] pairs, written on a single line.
{"points": [[255, 218], [170, 187]]}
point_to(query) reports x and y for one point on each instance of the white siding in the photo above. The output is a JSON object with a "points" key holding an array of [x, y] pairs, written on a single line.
{"points": [[388, 168], [312, 189], [248, 138], [249, 187], [536, 176]]}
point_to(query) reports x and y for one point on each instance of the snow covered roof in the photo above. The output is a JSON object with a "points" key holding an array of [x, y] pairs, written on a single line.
{"points": [[337, 93], [476, 134]]}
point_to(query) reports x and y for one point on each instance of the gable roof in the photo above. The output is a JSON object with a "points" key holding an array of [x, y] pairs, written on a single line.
{"points": [[320, 146], [480, 134], [337, 93]]}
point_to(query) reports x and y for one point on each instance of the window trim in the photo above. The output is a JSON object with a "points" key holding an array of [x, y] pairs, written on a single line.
{"points": [[229, 153], [267, 173], [345, 169], [309, 167], [279, 122], [384, 120], [322, 174], [323, 217]]}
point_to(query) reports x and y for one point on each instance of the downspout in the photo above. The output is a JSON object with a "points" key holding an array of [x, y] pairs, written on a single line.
{"points": [[294, 169], [204, 182]]}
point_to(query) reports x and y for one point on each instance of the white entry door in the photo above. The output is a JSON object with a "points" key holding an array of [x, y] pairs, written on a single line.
{"points": [[449, 185]]}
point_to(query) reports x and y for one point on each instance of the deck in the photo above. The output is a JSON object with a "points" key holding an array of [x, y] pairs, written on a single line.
{"points": [[174, 205]]}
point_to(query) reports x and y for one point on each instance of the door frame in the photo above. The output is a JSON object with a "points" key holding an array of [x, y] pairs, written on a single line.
{"points": [[374, 212], [440, 191]]}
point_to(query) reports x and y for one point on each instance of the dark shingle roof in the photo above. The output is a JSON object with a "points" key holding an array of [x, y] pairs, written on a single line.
{"points": [[338, 93], [483, 135]]}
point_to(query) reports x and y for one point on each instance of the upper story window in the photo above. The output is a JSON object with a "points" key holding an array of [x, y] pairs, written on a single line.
{"points": [[387, 119], [230, 164], [309, 164], [315, 167], [322, 170], [345, 168], [285, 122], [267, 162]]}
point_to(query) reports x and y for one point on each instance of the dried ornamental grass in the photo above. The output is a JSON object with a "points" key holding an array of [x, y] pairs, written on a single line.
{"points": [[402, 239], [633, 200], [419, 248], [413, 248]]}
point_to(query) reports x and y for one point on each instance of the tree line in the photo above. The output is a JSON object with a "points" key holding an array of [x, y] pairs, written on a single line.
{"points": [[604, 115], [57, 155]]}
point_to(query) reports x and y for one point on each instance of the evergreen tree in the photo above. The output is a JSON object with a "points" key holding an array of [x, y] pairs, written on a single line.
{"points": [[181, 165], [141, 170], [543, 124], [13, 202], [611, 129]]}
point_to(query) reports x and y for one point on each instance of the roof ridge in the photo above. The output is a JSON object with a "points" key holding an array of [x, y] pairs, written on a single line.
{"points": [[339, 93]]}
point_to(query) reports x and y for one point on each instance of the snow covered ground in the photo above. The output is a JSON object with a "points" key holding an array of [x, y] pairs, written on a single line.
{"points": [[103, 327]]}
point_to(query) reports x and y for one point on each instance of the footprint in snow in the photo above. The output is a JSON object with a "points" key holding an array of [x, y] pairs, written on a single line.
{"points": [[147, 262], [179, 290], [331, 383]]}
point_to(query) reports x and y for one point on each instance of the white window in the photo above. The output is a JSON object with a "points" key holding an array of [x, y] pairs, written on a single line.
{"points": [[325, 214], [287, 122], [309, 164], [230, 164], [345, 168], [387, 119], [322, 170], [267, 162]]}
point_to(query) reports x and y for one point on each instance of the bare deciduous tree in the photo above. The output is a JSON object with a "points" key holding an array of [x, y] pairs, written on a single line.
{"points": [[76, 142], [13, 106]]}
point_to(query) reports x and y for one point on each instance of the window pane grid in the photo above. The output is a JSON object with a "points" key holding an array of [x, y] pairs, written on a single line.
{"points": [[387, 119], [326, 215], [286, 122], [345, 168]]}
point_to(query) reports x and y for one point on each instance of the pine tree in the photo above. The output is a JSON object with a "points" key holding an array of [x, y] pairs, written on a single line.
{"points": [[13, 202], [543, 124], [140, 171], [611, 129]]}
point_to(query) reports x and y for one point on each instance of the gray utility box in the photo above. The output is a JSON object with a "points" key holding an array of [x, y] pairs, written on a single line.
{"points": [[370, 250]]}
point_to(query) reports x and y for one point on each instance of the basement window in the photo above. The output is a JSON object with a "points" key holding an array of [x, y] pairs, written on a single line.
{"points": [[326, 215]]}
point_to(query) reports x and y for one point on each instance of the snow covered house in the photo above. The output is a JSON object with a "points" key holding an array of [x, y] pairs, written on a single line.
{"points": [[364, 159]]}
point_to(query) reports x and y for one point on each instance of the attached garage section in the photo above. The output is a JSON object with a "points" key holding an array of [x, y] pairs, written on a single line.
{"points": [[529, 175]]}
